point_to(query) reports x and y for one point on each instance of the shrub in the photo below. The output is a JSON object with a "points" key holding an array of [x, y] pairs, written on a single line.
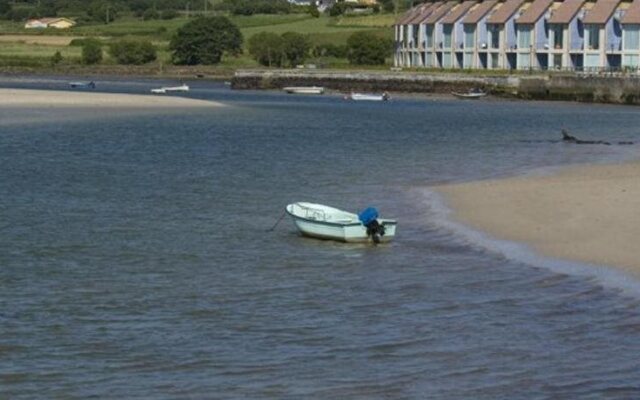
{"points": [[330, 50], [295, 47], [365, 48], [56, 58], [338, 9], [150, 14], [79, 42], [204, 40], [132, 52], [103, 11], [91, 51], [267, 48], [168, 14]]}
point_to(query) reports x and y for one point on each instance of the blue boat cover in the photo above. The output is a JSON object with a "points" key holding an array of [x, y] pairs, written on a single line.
{"points": [[368, 215]]}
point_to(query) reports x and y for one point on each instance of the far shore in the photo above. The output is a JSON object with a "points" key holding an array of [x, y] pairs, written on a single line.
{"points": [[588, 214], [24, 98]]}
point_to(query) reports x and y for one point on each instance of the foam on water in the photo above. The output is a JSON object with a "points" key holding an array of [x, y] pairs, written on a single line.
{"points": [[441, 215]]}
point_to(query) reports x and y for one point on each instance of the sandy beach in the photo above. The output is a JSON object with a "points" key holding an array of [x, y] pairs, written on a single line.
{"points": [[56, 99], [587, 213]]}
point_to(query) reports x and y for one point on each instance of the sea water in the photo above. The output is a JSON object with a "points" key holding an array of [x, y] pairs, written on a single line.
{"points": [[137, 261]]}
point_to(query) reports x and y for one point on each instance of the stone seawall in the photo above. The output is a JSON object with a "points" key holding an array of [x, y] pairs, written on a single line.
{"points": [[618, 89]]}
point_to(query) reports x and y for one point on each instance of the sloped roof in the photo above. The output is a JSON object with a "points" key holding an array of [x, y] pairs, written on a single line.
{"points": [[440, 12], [423, 13], [458, 12], [505, 12], [632, 16], [479, 12], [427, 14], [534, 12], [408, 15], [601, 12], [566, 12]]}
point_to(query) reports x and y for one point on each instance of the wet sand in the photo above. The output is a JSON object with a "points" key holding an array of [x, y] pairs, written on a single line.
{"points": [[588, 213], [83, 99]]}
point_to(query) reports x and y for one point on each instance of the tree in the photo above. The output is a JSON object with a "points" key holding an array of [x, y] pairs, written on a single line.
{"points": [[5, 7], [204, 40], [150, 13], [366, 48], [267, 48], [91, 51], [296, 47], [103, 11], [56, 58], [131, 51], [313, 11]]}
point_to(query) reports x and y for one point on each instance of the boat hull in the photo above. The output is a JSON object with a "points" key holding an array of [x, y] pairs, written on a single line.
{"points": [[368, 97], [313, 223], [304, 89], [469, 96]]}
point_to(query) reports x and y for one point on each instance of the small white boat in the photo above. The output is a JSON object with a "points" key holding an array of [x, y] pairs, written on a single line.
{"points": [[471, 94], [181, 88], [167, 89], [368, 97], [324, 222], [304, 89], [83, 85]]}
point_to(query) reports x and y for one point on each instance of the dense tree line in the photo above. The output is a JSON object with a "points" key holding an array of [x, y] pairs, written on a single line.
{"points": [[250, 7]]}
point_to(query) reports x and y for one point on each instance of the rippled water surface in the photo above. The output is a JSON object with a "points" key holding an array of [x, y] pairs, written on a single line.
{"points": [[135, 260]]}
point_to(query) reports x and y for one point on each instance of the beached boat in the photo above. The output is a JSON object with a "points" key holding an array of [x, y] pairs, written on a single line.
{"points": [[304, 89], [324, 222], [472, 94], [83, 85], [368, 97], [167, 89]]}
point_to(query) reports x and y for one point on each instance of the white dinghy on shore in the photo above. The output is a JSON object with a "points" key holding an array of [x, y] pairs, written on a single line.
{"points": [[367, 97], [324, 222], [168, 89], [304, 89]]}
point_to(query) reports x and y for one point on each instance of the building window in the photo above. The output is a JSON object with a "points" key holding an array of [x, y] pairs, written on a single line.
{"points": [[494, 36], [467, 60], [428, 32], [557, 61], [524, 36], [495, 60], [416, 31], [630, 60], [469, 36], [446, 60], [524, 61], [558, 37], [632, 37], [593, 37], [446, 30]]}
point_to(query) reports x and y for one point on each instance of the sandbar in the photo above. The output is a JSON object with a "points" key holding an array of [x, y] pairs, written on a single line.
{"points": [[60, 99], [589, 214]]}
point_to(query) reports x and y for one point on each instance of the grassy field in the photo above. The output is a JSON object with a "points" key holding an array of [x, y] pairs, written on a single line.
{"points": [[36, 47]]}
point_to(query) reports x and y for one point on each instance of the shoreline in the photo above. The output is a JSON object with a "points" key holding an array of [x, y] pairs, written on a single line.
{"points": [[587, 213], [53, 99]]}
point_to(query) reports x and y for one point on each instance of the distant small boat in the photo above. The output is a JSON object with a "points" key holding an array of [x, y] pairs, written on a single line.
{"points": [[83, 85], [304, 89], [324, 222], [368, 97], [167, 89], [471, 94]]}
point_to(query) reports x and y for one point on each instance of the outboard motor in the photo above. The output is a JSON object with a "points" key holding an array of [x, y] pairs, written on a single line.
{"points": [[369, 218]]}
